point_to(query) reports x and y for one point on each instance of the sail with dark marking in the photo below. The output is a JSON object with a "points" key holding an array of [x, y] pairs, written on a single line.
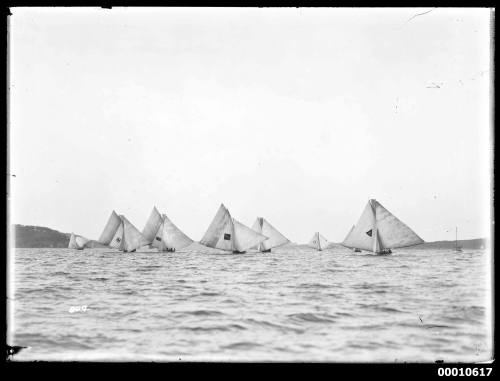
{"points": [[109, 231], [152, 225], [226, 233], [169, 236], [378, 230], [132, 237], [219, 234], [119, 233]]}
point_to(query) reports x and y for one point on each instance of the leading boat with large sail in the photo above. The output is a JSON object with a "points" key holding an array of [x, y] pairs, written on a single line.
{"points": [[119, 233], [318, 242], [77, 242], [163, 234], [226, 233], [379, 231], [262, 226]]}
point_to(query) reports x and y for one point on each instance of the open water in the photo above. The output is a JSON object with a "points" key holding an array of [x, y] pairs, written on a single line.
{"points": [[294, 304]]}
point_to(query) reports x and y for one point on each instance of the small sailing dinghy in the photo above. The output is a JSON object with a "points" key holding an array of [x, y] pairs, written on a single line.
{"points": [[458, 249], [226, 233], [162, 234], [119, 233], [379, 231], [275, 239], [318, 242], [77, 242]]}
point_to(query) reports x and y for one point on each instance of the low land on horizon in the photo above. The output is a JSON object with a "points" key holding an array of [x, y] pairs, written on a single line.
{"points": [[27, 236]]}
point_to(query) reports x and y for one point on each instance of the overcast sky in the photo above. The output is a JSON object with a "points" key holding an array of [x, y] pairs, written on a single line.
{"points": [[296, 115]]}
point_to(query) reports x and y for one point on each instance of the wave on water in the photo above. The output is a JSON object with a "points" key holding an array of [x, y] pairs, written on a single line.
{"points": [[288, 305]]}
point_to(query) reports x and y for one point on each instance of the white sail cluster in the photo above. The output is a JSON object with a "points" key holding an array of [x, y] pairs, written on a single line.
{"points": [[226, 233], [378, 230], [318, 242], [276, 239], [162, 234], [119, 233], [77, 242]]}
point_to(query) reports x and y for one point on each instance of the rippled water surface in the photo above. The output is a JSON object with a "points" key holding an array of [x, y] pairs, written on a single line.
{"points": [[294, 304]]}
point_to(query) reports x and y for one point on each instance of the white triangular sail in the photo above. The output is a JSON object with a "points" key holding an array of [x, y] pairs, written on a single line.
{"points": [[126, 236], [152, 225], [361, 235], [170, 236], [318, 242], [72, 242], [81, 241], [220, 233], [158, 240], [110, 229], [275, 237], [132, 237], [117, 240], [392, 232], [174, 237], [245, 237], [378, 229]]}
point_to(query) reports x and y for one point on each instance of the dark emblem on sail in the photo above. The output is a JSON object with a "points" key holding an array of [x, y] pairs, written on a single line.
{"points": [[369, 233], [118, 239], [227, 237], [158, 238]]}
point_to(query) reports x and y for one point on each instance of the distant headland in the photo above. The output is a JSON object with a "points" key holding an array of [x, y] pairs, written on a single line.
{"points": [[27, 236]]}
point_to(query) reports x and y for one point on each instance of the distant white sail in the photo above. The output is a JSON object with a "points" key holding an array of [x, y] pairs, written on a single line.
{"points": [[378, 229], [245, 238], [81, 241], [220, 234], [152, 225], [72, 242], [275, 237], [132, 237], [110, 229], [318, 242], [170, 236], [392, 232]]}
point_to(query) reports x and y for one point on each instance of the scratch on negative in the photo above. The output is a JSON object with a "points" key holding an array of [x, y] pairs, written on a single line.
{"points": [[419, 14]]}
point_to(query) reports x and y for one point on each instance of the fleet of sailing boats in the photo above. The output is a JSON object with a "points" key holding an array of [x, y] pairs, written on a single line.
{"points": [[377, 231]]}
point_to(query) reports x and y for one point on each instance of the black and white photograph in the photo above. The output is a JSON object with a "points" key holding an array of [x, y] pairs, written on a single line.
{"points": [[224, 184]]}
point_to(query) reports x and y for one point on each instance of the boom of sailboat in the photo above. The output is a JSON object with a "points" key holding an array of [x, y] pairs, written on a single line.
{"points": [[377, 231]]}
